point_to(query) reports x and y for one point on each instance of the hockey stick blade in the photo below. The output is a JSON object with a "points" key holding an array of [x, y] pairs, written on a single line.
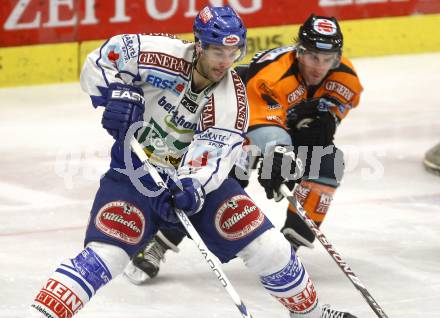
{"points": [[209, 257], [335, 255]]}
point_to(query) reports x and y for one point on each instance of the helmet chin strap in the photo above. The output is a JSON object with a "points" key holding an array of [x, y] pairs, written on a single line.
{"points": [[200, 73], [203, 75], [198, 53]]}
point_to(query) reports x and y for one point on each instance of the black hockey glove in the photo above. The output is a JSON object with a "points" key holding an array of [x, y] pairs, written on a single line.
{"points": [[125, 105], [279, 166], [311, 123]]}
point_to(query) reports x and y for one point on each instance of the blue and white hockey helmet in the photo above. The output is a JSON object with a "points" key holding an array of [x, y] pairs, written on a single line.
{"points": [[220, 26]]}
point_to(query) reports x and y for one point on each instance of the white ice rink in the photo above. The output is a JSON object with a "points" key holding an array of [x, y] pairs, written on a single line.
{"points": [[385, 219]]}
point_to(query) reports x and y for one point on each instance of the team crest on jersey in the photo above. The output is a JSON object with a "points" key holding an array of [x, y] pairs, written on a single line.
{"points": [[122, 221], [238, 217], [113, 55]]}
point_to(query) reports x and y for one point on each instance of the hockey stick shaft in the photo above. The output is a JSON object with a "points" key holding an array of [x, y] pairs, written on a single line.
{"points": [[335, 255], [209, 257]]}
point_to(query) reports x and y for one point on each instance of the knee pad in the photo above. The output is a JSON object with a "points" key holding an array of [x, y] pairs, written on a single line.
{"points": [[281, 272], [293, 288], [267, 254], [114, 257], [95, 266], [76, 280]]}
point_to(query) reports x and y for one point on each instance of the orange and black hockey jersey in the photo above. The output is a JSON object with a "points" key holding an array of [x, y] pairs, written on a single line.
{"points": [[274, 85]]}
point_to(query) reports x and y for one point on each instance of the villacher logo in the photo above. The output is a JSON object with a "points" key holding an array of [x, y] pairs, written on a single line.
{"points": [[238, 217], [122, 221]]}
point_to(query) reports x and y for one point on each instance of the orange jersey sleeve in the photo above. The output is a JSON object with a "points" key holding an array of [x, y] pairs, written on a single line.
{"points": [[343, 86]]}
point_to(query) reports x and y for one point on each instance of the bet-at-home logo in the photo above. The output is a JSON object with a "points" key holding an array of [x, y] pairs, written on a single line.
{"points": [[173, 120]]}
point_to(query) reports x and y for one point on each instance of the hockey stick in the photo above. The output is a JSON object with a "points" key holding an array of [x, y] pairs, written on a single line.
{"points": [[335, 255], [210, 258]]}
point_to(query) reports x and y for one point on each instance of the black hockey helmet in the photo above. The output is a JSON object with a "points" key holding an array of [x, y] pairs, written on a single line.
{"points": [[321, 33]]}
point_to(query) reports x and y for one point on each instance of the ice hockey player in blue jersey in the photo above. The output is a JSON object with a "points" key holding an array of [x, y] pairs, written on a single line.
{"points": [[188, 109]]}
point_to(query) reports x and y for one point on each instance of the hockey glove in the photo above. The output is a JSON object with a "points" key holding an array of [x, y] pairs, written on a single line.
{"points": [[125, 105], [279, 166], [188, 198], [311, 123]]}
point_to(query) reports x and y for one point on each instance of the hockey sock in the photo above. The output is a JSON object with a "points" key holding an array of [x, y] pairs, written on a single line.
{"points": [[76, 280], [283, 275], [293, 288], [315, 199]]}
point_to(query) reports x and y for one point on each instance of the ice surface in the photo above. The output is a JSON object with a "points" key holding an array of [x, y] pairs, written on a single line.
{"points": [[385, 219]]}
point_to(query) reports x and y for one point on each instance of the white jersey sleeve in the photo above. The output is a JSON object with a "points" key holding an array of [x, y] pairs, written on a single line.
{"points": [[203, 137], [217, 144], [116, 61]]}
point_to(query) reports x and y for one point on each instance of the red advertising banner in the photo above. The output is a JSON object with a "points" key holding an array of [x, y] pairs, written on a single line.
{"points": [[25, 22]]}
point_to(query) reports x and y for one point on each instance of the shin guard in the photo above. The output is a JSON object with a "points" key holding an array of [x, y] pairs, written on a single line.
{"points": [[76, 280], [293, 288], [283, 275]]}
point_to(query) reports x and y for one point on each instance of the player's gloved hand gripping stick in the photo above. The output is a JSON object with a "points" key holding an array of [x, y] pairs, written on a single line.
{"points": [[284, 190], [210, 258]]}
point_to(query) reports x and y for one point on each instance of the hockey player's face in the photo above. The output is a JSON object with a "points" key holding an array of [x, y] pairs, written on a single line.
{"points": [[314, 66], [216, 60]]}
